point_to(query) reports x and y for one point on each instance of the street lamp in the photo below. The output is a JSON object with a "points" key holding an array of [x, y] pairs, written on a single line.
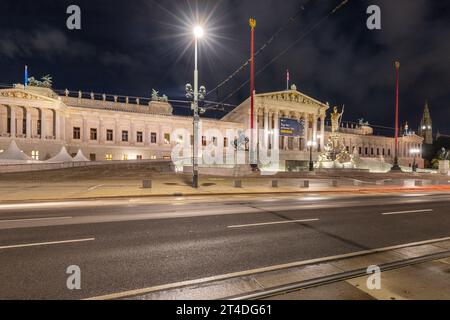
{"points": [[311, 145], [414, 152], [196, 95]]}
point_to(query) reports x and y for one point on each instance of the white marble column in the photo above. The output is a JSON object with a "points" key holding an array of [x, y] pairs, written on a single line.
{"points": [[57, 123], [117, 134], [86, 135], [314, 137], [276, 130], [305, 136], [266, 128], [28, 123], [13, 121], [43, 124], [132, 136], [63, 127]]}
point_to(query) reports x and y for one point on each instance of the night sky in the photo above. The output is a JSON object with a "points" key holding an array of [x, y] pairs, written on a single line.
{"points": [[130, 47]]}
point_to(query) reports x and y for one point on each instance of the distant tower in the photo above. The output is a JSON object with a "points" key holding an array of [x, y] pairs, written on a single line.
{"points": [[426, 126]]}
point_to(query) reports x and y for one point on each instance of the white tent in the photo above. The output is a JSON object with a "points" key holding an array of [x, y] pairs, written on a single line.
{"points": [[80, 157], [62, 156], [13, 153]]}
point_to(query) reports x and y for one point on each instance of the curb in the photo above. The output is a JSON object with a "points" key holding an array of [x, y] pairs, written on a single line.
{"points": [[202, 194]]}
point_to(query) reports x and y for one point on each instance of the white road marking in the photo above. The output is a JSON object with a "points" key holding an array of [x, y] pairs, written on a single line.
{"points": [[271, 223], [35, 219], [411, 211], [45, 243], [142, 291], [95, 187]]}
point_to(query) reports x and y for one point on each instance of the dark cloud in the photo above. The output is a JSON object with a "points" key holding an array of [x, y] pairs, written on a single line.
{"points": [[131, 47]]}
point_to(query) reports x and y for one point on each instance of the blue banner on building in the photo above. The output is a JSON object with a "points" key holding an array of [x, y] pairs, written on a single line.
{"points": [[291, 127]]}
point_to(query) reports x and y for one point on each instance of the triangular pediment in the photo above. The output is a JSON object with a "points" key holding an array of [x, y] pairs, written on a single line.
{"points": [[24, 94], [293, 96]]}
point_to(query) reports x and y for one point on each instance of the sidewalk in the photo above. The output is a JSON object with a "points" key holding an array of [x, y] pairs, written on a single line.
{"points": [[179, 185]]}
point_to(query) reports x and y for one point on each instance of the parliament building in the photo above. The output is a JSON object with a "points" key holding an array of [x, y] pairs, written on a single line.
{"points": [[113, 128]]}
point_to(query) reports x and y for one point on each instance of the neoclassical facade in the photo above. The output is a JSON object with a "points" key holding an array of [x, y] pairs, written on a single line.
{"points": [[121, 128]]}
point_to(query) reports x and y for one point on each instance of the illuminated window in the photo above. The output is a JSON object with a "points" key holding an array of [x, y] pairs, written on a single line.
{"points": [[108, 157], [152, 157], [167, 158], [35, 155], [166, 138], [125, 157]]}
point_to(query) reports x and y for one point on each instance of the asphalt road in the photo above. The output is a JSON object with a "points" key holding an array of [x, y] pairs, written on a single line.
{"points": [[122, 245]]}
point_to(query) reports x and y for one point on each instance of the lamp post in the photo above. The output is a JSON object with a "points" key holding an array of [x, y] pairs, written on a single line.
{"points": [[196, 95], [396, 167], [311, 145], [414, 152]]}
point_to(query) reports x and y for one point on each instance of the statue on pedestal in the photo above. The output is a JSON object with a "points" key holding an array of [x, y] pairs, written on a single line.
{"points": [[336, 154]]}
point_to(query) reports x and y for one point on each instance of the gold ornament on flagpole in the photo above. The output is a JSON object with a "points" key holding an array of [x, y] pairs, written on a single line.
{"points": [[252, 23], [397, 65]]}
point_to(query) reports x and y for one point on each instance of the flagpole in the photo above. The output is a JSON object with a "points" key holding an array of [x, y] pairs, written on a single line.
{"points": [[26, 76]]}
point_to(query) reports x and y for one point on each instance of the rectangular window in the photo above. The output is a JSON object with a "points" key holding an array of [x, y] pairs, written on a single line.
{"points": [[93, 134], [360, 150], [139, 137], [371, 151], [378, 151], [153, 137], [225, 142], [389, 152], [167, 158], [192, 140], [92, 156], [152, 157], [109, 135], [8, 126], [139, 157], [38, 126], [125, 136], [24, 126], [125, 157], [166, 138], [384, 152], [366, 151], [214, 140], [204, 141], [76, 133], [35, 155], [108, 157]]}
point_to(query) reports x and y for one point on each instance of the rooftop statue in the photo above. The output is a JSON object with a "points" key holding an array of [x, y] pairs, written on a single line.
{"points": [[46, 82]]}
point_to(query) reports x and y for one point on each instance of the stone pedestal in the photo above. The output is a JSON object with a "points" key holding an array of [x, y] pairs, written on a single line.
{"points": [[444, 166]]}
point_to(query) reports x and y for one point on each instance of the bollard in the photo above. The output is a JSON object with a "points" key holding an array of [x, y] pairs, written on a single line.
{"points": [[334, 183], [237, 183], [147, 184], [305, 184], [418, 183], [274, 183]]}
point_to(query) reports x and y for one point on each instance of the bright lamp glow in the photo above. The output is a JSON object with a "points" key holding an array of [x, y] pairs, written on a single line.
{"points": [[198, 32]]}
